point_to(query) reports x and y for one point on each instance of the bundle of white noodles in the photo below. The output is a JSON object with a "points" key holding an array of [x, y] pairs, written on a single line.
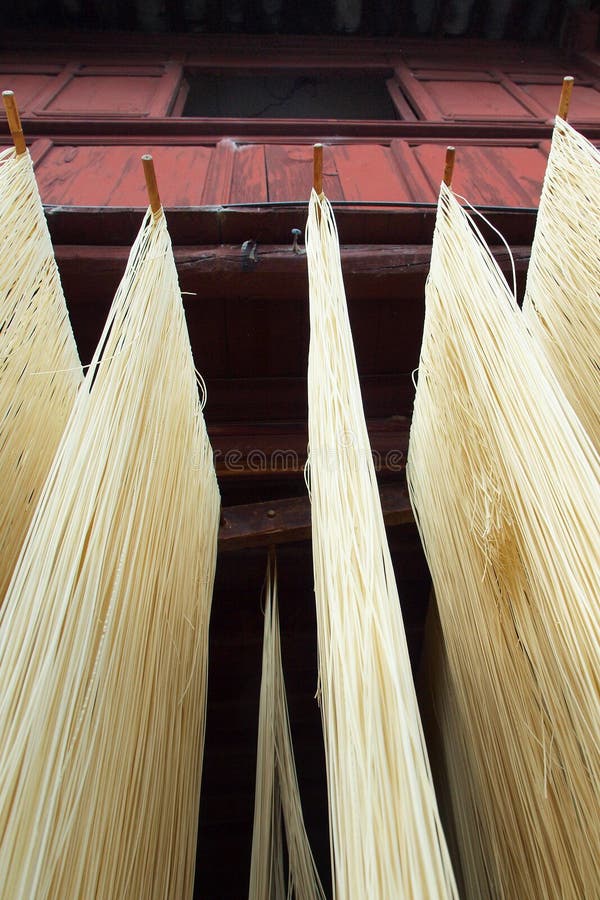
{"points": [[39, 366], [562, 299], [385, 831], [277, 793], [506, 490], [103, 638], [449, 761]]}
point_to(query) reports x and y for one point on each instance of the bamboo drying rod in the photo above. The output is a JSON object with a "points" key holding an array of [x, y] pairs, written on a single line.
{"points": [[318, 168], [151, 185], [449, 165], [565, 97], [14, 121]]}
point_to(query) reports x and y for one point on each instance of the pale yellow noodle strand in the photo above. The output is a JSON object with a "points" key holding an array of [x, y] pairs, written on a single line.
{"points": [[562, 298], [277, 796], [386, 838], [267, 879], [39, 366], [103, 638], [505, 486]]}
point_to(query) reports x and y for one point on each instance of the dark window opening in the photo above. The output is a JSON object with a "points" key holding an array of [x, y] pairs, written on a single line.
{"points": [[289, 96]]}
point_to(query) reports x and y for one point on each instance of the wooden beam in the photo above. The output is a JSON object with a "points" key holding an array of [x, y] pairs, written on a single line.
{"points": [[284, 521], [269, 225], [276, 272], [303, 131], [279, 450]]}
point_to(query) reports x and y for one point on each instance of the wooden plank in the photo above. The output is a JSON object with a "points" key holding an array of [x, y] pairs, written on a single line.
{"points": [[218, 178], [420, 99], [408, 164], [481, 100], [268, 225], [119, 226], [92, 93], [180, 100], [287, 521], [260, 450], [290, 172], [264, 340], [127, 129], [282, 399], [90, 277], [369, 173], [406, 325], [363, 172], [249, 182], [99, 175], [280, 275], [401, 105], [489, 175], [166, 90]]}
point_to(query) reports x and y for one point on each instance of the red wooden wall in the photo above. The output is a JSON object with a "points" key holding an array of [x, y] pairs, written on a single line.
{"points": [[90, 115]]}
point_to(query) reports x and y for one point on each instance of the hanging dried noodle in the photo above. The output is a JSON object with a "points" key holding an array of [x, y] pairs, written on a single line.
{"points": [[39, 366], [385, 832], [449, 761], [277, 791], [505, 485], [103, 645], [562, 299]]}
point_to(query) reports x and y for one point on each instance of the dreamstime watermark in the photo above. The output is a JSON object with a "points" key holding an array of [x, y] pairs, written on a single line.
{"points": [[289, 460]]}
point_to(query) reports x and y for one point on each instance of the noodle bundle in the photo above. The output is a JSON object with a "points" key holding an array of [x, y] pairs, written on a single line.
{"points": [[505, 485], [386, 836], [277, 791], [103, 639], [40, 370], [562, 298]]}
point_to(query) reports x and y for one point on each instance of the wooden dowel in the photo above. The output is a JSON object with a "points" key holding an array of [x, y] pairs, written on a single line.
{"points": [[565, 97], [251, 525], [151, 185], [318, 168], [14, 121], [449, 165]]}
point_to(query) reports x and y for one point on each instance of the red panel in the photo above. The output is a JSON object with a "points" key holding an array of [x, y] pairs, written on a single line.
{"points": [[249, 183], [506, 176], [217, 185], [417, 181], [108, 90], [26, 86], [585, 101], [290, 172], [105, 94], [369, 172], [474, 99], [112, 176], [106, 175], [503, 93]]}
